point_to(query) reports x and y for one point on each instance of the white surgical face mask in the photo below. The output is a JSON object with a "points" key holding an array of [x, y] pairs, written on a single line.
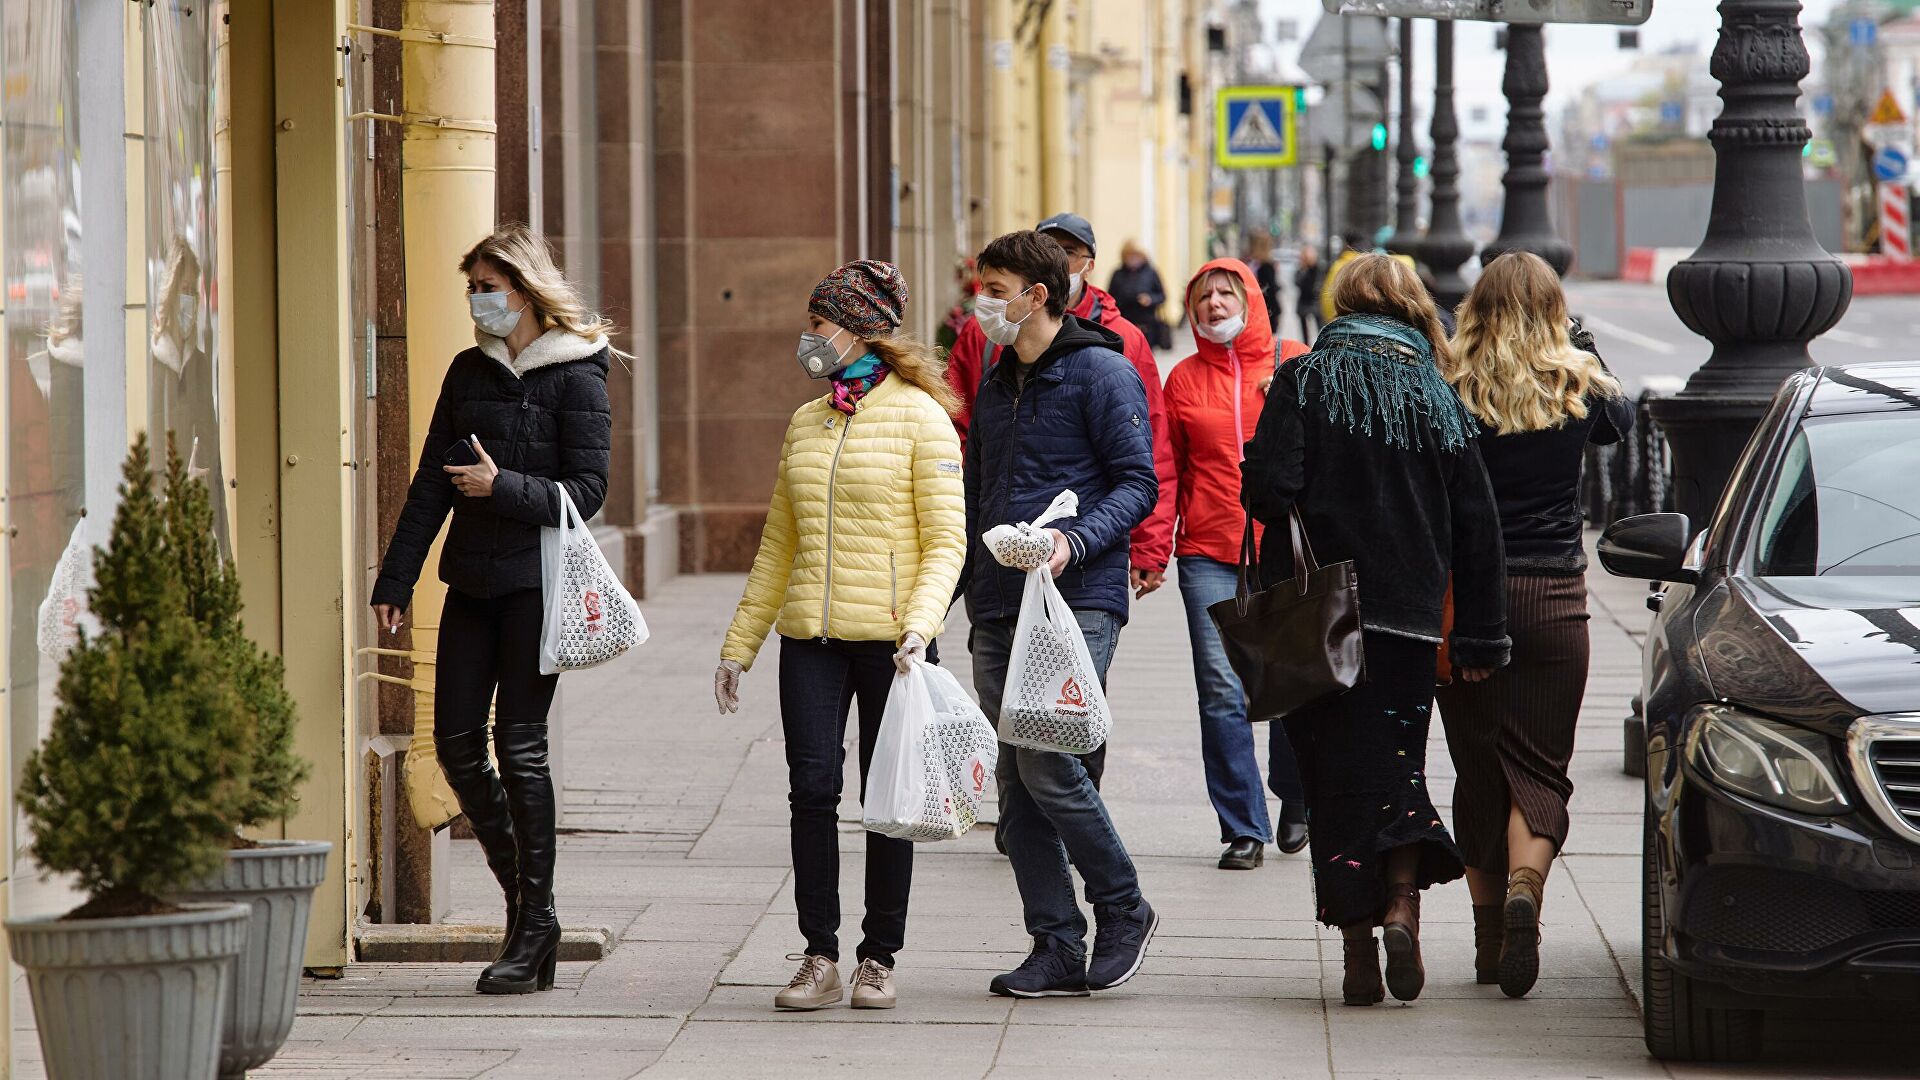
{"points": [[1075, 279], [1224, 331], [491, 314], [991, 314]]}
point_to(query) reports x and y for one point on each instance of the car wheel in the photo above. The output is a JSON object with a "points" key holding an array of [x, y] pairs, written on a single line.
{"points": [[1678, 1027]]}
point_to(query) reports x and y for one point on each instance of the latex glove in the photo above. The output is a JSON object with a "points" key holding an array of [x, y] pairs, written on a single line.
{"points": [[912, 647], [726, 686]]}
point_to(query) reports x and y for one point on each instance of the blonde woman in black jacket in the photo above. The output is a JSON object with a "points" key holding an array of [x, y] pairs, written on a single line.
{"points": [[521, 414]]}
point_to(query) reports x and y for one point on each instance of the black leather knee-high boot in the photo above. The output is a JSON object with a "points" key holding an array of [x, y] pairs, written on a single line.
{"points": [[463, 758], [527, 962]]}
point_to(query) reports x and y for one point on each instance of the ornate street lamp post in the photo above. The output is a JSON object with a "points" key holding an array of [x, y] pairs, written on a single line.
{"points": [[1760, 286], [1406, 215], [1446, 244], [1525, 224]]}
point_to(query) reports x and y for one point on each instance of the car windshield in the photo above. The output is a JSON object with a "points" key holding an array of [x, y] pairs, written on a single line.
{"points": [[1846, 500]]}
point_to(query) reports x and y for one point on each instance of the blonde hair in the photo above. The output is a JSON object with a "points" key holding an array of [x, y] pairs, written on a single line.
{"points": [[922, 365], [525, 258], [1383, 285], [1205, 281], [1515, 368]]}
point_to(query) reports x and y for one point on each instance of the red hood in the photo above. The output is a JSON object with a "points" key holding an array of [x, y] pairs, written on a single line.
{"points": [[1256, 341]]}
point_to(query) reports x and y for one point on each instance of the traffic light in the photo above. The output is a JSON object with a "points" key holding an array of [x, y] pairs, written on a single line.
{"points": [[1421, 166], [1379, 136]]}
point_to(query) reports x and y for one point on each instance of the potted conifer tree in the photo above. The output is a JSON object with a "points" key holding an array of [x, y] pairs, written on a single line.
{"points": [[134, 792], [274, 878]]}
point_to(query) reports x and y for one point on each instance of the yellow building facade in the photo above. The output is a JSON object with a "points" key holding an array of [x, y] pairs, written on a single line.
{"points": [[1089, 115]]}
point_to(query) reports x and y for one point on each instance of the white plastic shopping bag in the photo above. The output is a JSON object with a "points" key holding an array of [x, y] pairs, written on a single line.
{"points": [[63, 612], [969, 747], [1053, 700], [931, 759], [591, 618]]}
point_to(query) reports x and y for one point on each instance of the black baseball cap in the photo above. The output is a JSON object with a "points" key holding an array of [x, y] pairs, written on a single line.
{"points": [[1073, 225]]}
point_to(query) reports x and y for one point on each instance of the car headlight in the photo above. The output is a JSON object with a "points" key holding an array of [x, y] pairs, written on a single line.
{"points": [[1766, 760]]}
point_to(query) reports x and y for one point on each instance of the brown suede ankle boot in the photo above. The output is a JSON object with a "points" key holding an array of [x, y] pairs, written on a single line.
{"points": [[1488, 933], [1362, 984], [1400, 934], [1520, 952]]}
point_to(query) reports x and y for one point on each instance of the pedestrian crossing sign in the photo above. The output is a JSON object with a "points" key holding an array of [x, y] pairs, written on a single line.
{"points": [[1254, 127]]}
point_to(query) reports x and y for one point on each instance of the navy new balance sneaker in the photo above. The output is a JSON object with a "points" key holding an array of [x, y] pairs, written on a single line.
{"points": [[1120, 944], [1048, 971]]}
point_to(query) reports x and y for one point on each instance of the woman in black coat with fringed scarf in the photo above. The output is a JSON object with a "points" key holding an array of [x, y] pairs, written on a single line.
{"points": [[1365, 436]]}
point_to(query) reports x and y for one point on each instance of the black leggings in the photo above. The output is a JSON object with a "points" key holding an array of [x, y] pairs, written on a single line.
{"points": [[489, 644]]}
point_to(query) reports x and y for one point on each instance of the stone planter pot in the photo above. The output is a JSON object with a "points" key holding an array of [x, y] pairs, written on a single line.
{"points": [[275, 882], [131, 999]]}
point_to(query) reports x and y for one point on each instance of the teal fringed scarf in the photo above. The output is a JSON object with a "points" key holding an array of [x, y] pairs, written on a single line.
{"points": [[1379, 372]]}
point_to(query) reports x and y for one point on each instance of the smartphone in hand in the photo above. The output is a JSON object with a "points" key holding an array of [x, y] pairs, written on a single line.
{"points": [[462, 453]]}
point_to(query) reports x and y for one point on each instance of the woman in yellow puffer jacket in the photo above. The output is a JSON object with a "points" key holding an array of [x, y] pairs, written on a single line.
{"points": [[863, 547]]}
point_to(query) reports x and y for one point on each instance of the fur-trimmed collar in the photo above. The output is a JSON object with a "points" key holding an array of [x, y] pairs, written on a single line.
{"points": [[553, 347]]}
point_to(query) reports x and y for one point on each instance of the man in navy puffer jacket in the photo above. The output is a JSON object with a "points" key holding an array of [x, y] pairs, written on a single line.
{"points": [[1062, 410]]}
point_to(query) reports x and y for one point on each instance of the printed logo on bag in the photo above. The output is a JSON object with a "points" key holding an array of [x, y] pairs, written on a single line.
{"points": [[1072, 698], [591, 601], [979, 776]]}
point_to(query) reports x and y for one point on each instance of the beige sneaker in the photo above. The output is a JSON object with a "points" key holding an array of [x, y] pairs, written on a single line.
{"points": [[873, 986], [815, 986]]}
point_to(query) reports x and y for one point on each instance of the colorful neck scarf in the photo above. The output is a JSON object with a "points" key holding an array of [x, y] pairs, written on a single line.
{"points": [[856, 381]]}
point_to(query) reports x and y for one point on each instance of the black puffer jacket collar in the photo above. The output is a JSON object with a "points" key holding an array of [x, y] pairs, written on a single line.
{"points": [[553, 347]]}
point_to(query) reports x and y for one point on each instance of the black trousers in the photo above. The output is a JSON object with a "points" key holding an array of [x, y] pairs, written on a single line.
{"points": [[489, 645], [819, 682]]}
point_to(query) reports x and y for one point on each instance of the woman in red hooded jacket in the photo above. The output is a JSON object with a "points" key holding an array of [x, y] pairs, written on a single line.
{"points": [[1214, 398]]}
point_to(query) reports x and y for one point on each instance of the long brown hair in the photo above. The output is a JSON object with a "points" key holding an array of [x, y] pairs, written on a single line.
{"points": [[1383, 285], [1514, 366], [922, 365]]}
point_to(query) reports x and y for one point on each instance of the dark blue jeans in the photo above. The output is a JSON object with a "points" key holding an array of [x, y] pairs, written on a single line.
{"points": [[1226, 739], [819, 681], [1050, 811]]}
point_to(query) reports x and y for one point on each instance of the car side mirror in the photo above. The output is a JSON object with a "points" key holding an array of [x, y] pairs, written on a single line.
{"points": [[1652, 547]]}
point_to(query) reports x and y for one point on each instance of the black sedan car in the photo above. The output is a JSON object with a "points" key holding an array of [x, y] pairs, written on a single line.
{"points": [[1781, 687]]}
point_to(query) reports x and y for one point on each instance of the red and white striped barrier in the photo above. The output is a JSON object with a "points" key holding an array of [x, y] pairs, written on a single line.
{"points": [[1896, 226], [1649, 266]]}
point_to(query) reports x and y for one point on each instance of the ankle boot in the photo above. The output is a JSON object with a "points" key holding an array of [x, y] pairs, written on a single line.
{"points": [[527, 961], [1362, 958], [1520, 955], [1487, 936], [1400, 934], [469, 772]]}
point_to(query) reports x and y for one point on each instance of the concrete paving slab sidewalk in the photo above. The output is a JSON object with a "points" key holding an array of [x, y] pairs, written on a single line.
{"points": [[676, 840]]}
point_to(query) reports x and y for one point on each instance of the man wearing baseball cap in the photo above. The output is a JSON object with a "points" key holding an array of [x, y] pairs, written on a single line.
{"points": [[974, 356]]}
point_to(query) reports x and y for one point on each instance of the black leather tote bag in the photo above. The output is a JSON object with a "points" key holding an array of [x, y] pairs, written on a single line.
{"points": [[1297, 643]]}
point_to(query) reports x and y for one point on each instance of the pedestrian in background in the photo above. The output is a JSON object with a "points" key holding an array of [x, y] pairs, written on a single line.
{"points": [[1214, 400], [974, 358], [521, 414], [1138, 293], [856, 569], [1307, 279], [1064, 410], [1540, 393], [1260, 261], [1366, 439]]}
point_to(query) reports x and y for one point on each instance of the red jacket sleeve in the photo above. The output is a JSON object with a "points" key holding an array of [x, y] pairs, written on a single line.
{"points": [[963, 374], [1153, 538]]}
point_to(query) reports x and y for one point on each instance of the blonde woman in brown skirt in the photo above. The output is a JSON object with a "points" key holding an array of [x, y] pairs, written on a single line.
{"points": [[1536, 384]]}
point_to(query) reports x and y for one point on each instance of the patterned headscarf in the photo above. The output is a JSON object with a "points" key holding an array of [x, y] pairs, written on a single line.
{"points": [[865, 297]]}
